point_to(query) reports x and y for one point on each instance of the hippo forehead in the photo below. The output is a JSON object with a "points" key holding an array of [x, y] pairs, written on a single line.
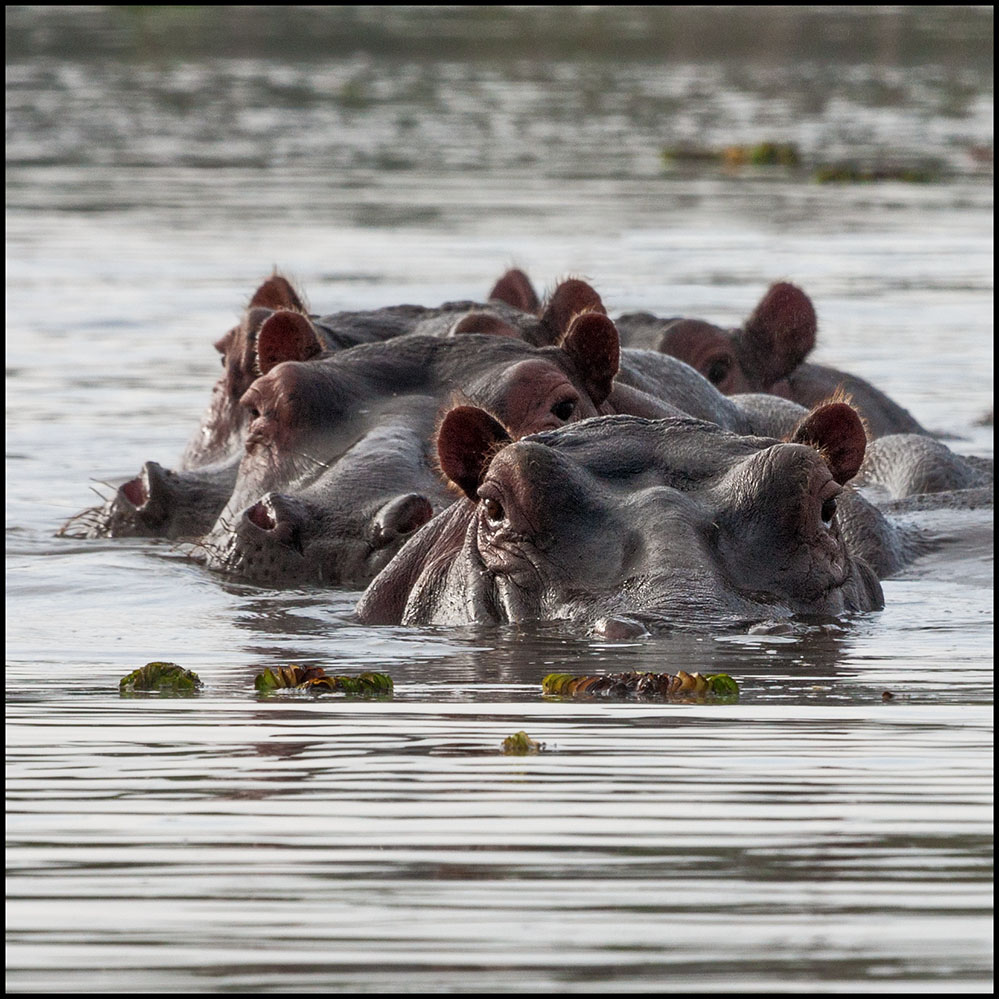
{"points": [[682, 453]]}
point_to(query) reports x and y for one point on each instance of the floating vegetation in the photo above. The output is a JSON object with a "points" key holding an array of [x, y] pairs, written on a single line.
{"points": [[315, 680], [786, 154], [763, 154], [719, 687], [165, 679], [852, 174], [783, 154], [521, 744]]}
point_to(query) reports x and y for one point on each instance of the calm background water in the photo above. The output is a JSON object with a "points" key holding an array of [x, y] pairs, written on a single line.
{"points": [[812, 837]]}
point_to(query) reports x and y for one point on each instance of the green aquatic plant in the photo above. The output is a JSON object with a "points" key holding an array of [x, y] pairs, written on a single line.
{"points": [[719, 687], [166, 679], [521, 744], [317, 681], [852, 174], [784, 154]]}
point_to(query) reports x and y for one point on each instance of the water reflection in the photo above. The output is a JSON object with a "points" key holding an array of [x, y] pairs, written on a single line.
{"points": [[315, 628], [812, 837]]}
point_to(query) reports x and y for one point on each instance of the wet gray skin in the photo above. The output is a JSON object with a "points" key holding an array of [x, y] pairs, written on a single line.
{"points": [[622, 524], [767, 354]]}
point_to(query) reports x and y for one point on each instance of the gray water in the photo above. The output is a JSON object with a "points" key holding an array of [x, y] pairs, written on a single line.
{"points": [[814, 837]]}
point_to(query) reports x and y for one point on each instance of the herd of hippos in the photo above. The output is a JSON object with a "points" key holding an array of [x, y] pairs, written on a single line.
{"points": [[518, 460]]}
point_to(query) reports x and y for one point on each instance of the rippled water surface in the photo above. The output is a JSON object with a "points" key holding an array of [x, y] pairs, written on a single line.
{"points": [[816, 836]]}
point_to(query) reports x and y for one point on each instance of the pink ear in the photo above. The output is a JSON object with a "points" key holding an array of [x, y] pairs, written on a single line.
{"points": [[482, 322], [277, 293], [779, 334], [515, 289], [569, 299], [836, 430], [285, 336], [466, 441], [593, 344]]}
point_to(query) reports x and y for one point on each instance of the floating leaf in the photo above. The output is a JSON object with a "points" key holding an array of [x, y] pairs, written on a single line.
{"points": [[521, 744], [283, 677], [316, 680], [645, 686], [773, 154], [848, 173], [783, 154], [166, 679]]}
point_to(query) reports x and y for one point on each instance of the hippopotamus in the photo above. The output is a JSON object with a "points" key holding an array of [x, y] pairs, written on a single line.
{"points": [[623, 524], [767, 354]]}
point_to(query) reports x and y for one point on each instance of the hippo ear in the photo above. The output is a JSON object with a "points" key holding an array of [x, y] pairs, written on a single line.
{"points": [[515, 289], [836, 430], [482, 322], [466, 441], [593, 344], [277, 293], [285, 336], [779, 334], [569, 299]]}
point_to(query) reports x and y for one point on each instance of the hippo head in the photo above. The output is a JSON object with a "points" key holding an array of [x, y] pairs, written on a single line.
{"points": [[159, 503], [221, 431], [774, 340], [334, 478], [666, 522]]}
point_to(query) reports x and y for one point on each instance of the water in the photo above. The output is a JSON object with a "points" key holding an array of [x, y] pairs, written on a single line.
{"points": [[816, 836]]}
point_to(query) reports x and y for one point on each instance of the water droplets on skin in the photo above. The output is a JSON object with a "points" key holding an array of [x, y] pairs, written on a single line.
{"points": [[814, 835]]}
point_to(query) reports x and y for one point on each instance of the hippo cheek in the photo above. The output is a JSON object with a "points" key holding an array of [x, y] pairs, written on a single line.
{"points": [[780, 536], [456, 590], [865, 593]]}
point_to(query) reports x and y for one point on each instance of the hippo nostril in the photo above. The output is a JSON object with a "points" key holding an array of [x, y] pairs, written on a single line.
{"points": [[399, 518], [260, 515], [494, 510], [135, 491]]}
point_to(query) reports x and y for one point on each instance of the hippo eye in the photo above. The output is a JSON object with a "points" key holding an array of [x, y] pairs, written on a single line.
{"points": [[828, 509], [254, 413], [564, 409], [222, 359], [494, 511], [719, 370]]}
